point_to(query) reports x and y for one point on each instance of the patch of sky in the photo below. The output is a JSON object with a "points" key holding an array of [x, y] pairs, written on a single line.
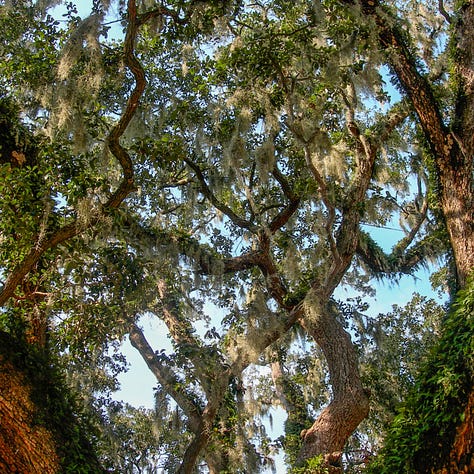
{"points": [[136, 384], [113, 28]]}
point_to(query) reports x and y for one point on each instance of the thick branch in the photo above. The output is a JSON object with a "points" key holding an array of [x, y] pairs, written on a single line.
{"points": [[124, 189], [463, 126], [165, 377]]}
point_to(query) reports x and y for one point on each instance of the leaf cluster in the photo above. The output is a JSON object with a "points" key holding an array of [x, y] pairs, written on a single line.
{"points": [[434, 408]]}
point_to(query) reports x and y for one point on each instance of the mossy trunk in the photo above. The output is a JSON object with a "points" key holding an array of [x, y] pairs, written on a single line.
{"points": [[350, 403], [39, 432], [461, 457]]}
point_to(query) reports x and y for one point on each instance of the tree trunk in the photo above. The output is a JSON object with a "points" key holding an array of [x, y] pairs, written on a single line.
{"points": [[458, 209], [461, 457], [456, 172], [350, 402], [25, 447], [38, 430]]}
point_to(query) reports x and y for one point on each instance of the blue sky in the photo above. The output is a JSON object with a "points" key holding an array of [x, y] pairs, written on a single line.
{"points": [[137, 384]]}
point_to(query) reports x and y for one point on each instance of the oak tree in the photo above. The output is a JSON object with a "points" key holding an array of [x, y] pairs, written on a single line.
{"points": [[217, 166]]}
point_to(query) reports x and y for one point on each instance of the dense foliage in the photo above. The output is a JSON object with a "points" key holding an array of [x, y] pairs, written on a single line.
{"points": [[439, 401], [226, 169]]}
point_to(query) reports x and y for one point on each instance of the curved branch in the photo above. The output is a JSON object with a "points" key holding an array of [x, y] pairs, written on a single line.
{"points": [[237, 220], [124, 189], [127, 185], [443, 11]]}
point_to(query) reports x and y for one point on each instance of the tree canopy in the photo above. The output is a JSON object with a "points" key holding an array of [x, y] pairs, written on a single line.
{"points": [[222, 167]]}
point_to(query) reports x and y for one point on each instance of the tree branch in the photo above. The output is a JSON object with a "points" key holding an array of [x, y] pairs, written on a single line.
{"points": [[443, 11], [282, 217], [160, 12], [166, 377], [420, 218], [350, 403], [237, 220], [399, 260], [124, 189]]}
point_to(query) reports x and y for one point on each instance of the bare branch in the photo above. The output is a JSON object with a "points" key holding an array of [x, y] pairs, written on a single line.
{"points": [[443, 11], [165, 377]]}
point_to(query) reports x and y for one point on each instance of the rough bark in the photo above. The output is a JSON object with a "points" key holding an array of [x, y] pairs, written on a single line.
{"points": [[350, 402], [39, 432], [457, 170], [458, 210], [202, 435], [25, 447]]}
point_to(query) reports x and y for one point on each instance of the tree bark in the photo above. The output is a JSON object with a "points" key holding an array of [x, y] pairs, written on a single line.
{"points": [[458, 209], [457, 171], [350, 402], [38, 430], [25, 447]]}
